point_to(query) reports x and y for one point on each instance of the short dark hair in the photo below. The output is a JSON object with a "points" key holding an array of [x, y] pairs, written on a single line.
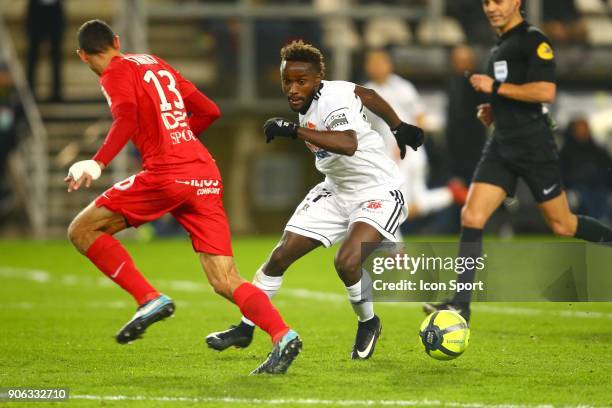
{"points": [[95, 37], [300, 51]]}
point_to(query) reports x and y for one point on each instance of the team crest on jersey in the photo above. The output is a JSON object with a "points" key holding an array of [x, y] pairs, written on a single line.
{"points": [[545, 51], [311, 125]]}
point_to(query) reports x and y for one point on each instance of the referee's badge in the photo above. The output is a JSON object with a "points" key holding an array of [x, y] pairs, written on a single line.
{"points": [[501, 70], [545, 51]]}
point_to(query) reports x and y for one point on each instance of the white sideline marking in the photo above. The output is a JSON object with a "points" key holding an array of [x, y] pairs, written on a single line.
{"points": [[34, 275], [41, 276], [313, 401]]}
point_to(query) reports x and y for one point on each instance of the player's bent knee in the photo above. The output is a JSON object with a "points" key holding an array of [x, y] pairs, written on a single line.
{"points": [[223, 289], [221, 285], [561, 229], [472, 218], [348, 265], [76, 233]]}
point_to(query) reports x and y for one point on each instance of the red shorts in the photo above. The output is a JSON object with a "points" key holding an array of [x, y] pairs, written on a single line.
{"points": [[196, 203]]}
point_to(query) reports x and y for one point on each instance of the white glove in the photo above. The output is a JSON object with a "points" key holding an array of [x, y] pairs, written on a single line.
{"points": [[90, 167]]}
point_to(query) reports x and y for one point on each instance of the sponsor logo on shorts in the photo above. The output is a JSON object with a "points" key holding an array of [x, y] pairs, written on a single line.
{"points": [[549, 190], [374, 205], [209, 191], [205, 187], [199, 183]]}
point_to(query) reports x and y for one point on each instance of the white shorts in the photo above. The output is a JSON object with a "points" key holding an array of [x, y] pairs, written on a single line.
{"points": [[326, 216]]}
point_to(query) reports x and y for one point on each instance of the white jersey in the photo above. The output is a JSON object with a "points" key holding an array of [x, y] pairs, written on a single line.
{"points": [[369, 170]]}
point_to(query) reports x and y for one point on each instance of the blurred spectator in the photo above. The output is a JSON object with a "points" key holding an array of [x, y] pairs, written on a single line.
{"points": [[586, 170], [470, 15], [9, 110], [465, 135], [45, 22], [404, 98], [562, 22]]}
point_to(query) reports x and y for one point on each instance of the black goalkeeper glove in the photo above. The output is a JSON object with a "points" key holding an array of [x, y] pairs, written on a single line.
{"points": [[279, 127], [408, 135]]}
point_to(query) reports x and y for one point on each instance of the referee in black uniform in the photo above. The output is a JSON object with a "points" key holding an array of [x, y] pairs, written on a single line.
{"points": [[520, 78]]}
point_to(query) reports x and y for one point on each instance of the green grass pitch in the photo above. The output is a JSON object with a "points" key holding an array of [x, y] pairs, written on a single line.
{"points": [[58, 315]]}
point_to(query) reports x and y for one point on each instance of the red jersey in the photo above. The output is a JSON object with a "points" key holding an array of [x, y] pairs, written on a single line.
{"points": [[150, 102]]}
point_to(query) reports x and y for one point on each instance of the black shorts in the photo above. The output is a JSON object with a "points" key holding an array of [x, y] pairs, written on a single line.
{"points": [[529, 153]]}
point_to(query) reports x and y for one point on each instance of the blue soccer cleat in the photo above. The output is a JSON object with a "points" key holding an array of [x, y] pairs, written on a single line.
{"points": [[153, 311], [282, 355]]}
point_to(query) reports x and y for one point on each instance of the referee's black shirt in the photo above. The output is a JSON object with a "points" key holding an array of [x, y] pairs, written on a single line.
{"points": [[521, 55]]}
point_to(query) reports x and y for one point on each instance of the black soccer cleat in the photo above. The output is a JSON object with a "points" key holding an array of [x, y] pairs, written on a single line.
{"points": [[368, 333], [282, 355], [462, 308], [239, 336], [153, 311]]}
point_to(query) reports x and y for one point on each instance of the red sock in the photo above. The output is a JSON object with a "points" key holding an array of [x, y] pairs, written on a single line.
{"points": [[256, 306], [113, 260]]}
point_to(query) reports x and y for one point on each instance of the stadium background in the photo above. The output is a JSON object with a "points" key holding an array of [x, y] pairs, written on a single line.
{"points": [[230, 50]]}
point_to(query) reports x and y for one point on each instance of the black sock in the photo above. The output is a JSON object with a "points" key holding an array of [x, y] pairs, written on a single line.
{"points": [[470, 246], [592, 230], [246, 328]]}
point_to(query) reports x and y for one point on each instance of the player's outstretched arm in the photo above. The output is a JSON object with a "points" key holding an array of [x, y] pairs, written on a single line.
{"points": [[336, 141], [405, 134], [378, 106], [340, 142], [532, 92], [125, 124]]}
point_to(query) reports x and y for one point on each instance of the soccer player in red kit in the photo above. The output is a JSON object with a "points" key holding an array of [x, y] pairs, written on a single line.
{"points": [[162, 113]]}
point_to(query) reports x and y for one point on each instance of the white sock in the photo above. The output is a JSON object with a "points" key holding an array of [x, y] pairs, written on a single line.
{"points": [[269, 284], [360, 298]]}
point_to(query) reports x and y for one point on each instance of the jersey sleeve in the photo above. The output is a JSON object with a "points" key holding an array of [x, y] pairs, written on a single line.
{"points": [[335, 106], [540, 57], [119, 88]]}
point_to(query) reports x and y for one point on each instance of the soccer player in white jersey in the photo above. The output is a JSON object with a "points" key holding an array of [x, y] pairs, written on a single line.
{"points": [[360, 199], [404, 98]]}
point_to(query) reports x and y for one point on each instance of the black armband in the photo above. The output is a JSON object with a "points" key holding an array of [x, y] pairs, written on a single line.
{"points": [[496, 85]]}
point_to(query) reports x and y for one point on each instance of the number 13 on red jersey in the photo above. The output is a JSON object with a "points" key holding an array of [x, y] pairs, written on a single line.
{"points": [[173, 114]]}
